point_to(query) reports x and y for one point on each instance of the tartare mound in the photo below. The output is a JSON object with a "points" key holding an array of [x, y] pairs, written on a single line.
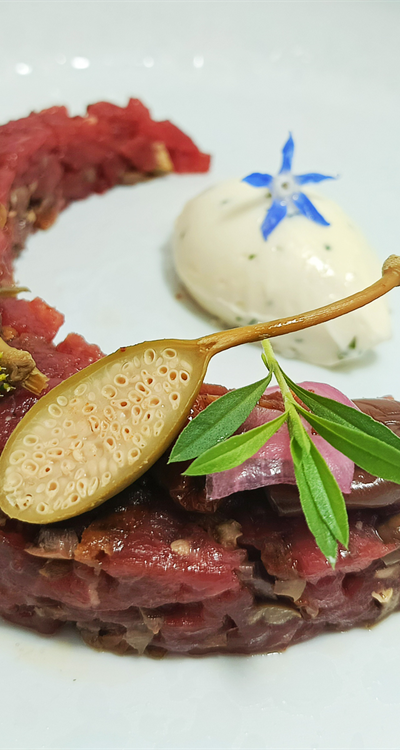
{"points": [[152, 571]]}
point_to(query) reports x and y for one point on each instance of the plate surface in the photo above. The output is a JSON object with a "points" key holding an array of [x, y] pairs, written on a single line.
{"points": [[237, 76]]}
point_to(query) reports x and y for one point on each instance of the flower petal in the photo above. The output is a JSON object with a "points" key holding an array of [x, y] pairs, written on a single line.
{"points": [[302, 179], [287, 155], [257, 179], [303, 203], [276, 213]]}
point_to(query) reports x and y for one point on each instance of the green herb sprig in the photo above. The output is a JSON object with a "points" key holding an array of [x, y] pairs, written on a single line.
{"points": [[209, 439], [5, 386]]}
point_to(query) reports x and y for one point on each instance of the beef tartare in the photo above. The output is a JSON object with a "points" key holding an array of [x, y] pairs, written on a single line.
{"points": [[163, 567]]}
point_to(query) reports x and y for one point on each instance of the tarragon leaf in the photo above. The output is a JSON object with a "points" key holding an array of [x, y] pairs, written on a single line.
{"points": [[370, 453], [218, 421], [325, 489], [324, 538], [327, 495], [346, 415], [235, 450]]}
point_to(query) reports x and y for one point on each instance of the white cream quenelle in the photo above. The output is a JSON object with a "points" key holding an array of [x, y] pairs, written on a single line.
{"points": [[233, 272]]}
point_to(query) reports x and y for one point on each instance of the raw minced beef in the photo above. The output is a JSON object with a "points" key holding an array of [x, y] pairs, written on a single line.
{"points": [[144, 573], [48, 160], [161, 568]]}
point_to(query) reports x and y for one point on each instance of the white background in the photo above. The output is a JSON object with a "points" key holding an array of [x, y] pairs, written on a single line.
{"points": [[236, 76]]}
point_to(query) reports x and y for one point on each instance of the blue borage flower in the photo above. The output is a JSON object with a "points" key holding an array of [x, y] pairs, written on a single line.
{"points": [[287, 199]]}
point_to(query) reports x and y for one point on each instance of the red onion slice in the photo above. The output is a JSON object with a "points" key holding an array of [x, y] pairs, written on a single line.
{"points": [[273, 463]]}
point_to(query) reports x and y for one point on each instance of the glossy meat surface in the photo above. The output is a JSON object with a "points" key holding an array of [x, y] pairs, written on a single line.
{"points": [[144, 574], [32, 326], [49, 159], [161, 569]]}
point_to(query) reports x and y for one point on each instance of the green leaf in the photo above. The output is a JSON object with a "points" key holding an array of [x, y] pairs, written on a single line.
{"points": [[235, 450], [327, 495], [370, 453], [218, 421], [324, 538], [343, 414], [325, 489]]}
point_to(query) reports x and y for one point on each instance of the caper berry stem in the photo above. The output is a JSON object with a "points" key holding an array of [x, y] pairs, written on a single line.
{"points": [[12, 291], [218, 342]]}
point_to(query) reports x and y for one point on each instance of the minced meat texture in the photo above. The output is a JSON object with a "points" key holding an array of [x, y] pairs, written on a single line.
{"points": [[140, 574], [159, 569], [32, 326], [49, 159]]}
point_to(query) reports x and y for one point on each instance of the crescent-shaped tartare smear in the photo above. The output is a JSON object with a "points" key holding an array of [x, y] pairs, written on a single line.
{"points": [[49, 159]]}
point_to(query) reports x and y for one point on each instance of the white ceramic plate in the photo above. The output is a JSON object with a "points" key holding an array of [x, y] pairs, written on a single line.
{"points": [[237, 76]]}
